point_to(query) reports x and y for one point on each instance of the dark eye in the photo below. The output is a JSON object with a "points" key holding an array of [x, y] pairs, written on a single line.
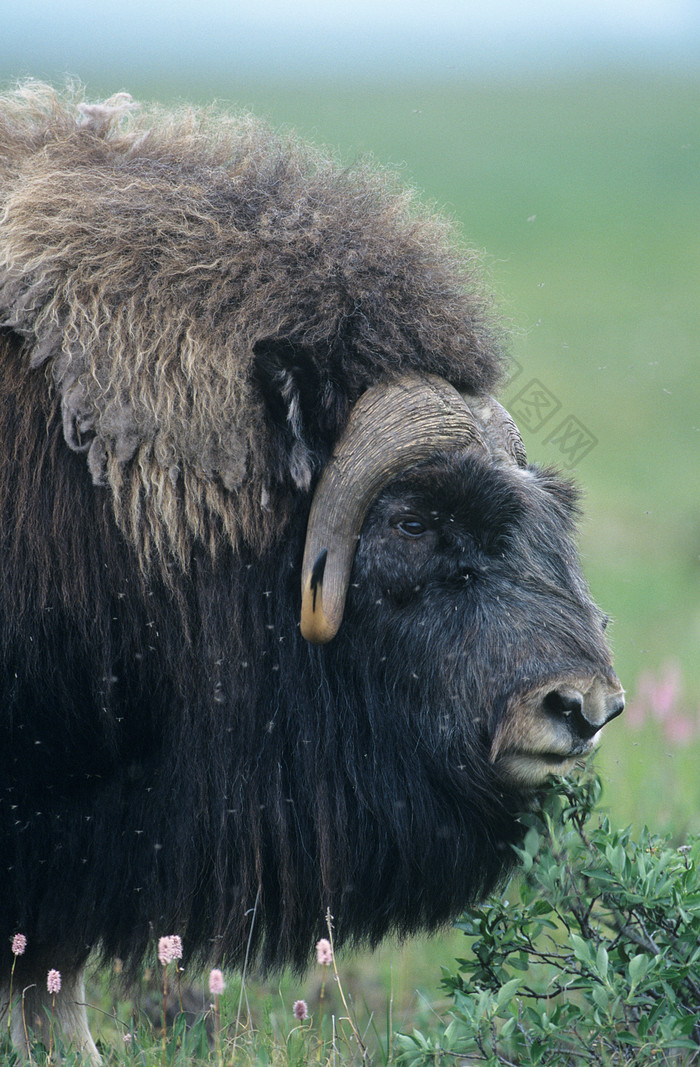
{"points": [[411, 526]]}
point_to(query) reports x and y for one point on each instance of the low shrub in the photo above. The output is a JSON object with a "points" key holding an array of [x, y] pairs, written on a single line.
{"points": [[592, 955]]}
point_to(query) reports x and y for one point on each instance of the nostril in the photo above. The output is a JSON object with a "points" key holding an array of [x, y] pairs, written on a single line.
{"points": [[568, 704], [564, 702]]}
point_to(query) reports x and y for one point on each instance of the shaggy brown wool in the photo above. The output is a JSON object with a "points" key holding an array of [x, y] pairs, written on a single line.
{"points": [[155, 262]]}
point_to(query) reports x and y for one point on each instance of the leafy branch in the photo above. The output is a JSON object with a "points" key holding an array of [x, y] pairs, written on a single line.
{"points": [[593, 954]]}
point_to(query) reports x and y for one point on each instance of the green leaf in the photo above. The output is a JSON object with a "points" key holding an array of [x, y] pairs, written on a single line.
{"points": [[508, 1027], [687, 1025], [601, 997], [638, 967], [582, 950], [524, 857], [507, 992], [598, 874], [420, 1039]]}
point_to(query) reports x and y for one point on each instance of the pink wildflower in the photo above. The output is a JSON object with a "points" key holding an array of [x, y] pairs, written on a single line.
{"points": [[679, 730], [216, 982], [664, 693], [53, 982], [659, 699], [169, 949], [19, 944], [301, 1009], [324, 953], [128, 1038]]}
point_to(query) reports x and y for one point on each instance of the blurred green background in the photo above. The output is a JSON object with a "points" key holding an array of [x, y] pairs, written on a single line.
{"points": [[577, 173]]}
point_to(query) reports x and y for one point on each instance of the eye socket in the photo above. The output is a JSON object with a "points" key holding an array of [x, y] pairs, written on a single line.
{"points": [[410, 526]]}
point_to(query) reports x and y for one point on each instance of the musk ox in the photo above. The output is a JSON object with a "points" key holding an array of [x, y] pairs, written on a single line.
{"points": [[289, 623]]}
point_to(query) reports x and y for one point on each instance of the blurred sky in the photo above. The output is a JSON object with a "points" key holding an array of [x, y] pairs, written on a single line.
{"points": [[326, 37]]}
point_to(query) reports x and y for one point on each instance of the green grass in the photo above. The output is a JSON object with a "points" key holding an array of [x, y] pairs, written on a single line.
{"points": [[393, 989]]}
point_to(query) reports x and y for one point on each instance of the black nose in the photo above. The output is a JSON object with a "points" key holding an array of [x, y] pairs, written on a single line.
{"points": [[584, 715]]}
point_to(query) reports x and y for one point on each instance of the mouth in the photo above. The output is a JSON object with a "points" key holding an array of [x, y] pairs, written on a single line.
{"points": [[530, 769]]}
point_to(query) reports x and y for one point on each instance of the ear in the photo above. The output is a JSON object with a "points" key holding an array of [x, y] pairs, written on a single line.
{"points": [[300, 403]]}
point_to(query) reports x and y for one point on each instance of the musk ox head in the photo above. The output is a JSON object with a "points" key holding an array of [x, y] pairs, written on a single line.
{"points": [[289, 623], [470, 549]]}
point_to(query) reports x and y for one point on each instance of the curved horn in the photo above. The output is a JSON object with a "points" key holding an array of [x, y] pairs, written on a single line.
{"points": [[391, 427], [497, 427]]}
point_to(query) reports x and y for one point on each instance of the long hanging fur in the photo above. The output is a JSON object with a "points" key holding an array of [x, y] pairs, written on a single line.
{"points": [[176, 752]]}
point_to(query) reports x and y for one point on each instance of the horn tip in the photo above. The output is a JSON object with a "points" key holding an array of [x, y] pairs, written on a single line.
{"points": [[316, 626]]}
